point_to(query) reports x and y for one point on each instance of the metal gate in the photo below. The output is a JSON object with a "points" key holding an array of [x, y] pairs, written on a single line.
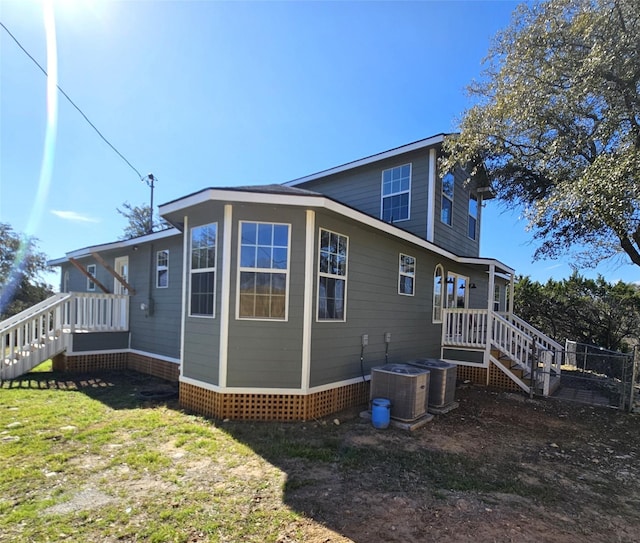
{"points": [[598, 376]]}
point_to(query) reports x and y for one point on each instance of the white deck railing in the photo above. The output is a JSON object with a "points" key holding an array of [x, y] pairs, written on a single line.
{"points": [[518, 340], [42, 331]]}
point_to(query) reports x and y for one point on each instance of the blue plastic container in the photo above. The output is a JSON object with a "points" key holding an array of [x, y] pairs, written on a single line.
{"points": [[381, 413]]}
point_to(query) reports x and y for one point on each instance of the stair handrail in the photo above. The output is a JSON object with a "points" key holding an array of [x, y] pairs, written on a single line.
{"points": [[513, 340], [34, 310]]}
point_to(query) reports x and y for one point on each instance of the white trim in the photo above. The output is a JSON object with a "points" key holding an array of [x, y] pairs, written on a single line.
{"points": [[307, 319], [86, 251], [93, 273], [203, 270], [285, 271], [322, 202], [431, 196], [451, 198], [186, 240], [288, 391], [402, 274], [443, 282], [421, 144], [332, 276], [225, 289], [392, 194], [165, 268], [470, 216]]}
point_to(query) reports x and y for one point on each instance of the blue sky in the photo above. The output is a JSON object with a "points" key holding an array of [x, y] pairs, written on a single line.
{"points": [[204, 93]]}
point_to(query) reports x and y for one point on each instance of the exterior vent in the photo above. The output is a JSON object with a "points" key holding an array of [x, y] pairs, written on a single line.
{"points": [[442, 386], [407, 387]]}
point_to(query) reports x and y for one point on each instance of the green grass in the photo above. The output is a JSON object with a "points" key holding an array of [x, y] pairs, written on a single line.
{"points": [[148, 472]]}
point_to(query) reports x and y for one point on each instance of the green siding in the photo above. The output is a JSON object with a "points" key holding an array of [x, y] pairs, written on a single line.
{"points": [[100, 341], [374, 307], [455, 238], [201, 359], [361, 188], [268, 354], [156, 331]]}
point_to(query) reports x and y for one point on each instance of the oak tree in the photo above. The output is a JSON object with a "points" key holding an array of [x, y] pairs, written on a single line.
{"points": [[556, 126]]}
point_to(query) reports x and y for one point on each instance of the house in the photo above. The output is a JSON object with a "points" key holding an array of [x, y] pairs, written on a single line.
{"points": [[274, 302]]}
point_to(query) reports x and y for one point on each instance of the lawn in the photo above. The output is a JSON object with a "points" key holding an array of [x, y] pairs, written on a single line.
{"points": [[92, 459]]}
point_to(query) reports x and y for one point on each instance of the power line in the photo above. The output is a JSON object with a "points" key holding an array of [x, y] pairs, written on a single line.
{"points": [[71, 101]]}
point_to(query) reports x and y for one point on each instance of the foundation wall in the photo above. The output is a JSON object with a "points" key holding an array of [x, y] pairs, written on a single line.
{"points": [[86, 363], [272, 407], [491, 376]]}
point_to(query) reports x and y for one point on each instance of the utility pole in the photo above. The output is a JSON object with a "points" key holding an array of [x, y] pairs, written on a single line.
{"points": [[149, 179]]}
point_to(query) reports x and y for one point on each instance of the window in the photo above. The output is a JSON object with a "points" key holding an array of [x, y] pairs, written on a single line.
{"points": [[456, 291], [203, 270], [396, 187], [496, 297], [406, 281], [162, 269], [473, 215], [91, 270], [264, 270], [332, 276], [437, 294], [446, 213]]}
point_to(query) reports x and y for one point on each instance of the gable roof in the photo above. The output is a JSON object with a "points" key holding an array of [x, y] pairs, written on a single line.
{"points": [[420, 144]]}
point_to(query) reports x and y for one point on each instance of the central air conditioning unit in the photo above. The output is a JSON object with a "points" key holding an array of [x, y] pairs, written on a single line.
{"points": [[442, 385], [407, 387]]}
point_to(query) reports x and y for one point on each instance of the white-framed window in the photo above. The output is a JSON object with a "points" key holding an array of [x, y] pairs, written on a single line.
{"points": [[162, 268], [263, 274], [473, 216], [396, 193], [91, 270], [457, 287], [496, 297], [438, 278], [332, 276], [203, 270], [407, 275], [446, 211]]}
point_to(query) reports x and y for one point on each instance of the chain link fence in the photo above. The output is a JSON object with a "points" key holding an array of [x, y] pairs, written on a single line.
{"points": [[599, 376]]}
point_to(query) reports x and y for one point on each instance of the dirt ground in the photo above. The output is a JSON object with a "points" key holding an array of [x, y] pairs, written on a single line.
{"points": [[575, 472], [499, 468]]}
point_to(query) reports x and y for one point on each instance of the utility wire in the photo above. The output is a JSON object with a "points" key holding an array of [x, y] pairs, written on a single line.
{"points": [[71, 101]]}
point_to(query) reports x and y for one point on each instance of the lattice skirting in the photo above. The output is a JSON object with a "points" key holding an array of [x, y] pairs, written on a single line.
{"points": [[492, 376], [117, 361], [272, 407]]}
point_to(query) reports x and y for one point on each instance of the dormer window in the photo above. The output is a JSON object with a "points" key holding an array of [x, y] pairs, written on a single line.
{"points": [[396, 191], [446, 212]]}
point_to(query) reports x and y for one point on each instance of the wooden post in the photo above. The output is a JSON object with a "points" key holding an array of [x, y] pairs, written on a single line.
{"points": [[84, 272], [113, 272]]}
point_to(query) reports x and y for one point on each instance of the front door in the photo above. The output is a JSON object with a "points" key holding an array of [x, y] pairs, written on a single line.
{"points": [[121, 266]]}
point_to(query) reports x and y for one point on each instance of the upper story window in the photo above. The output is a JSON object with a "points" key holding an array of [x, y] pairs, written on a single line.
{"points": [[91, 270], [473, 216], [437, 293], [407, 275], [264, 271], [203, 270], [446, 212], [396, 190], [332, 276], [162, 269]]}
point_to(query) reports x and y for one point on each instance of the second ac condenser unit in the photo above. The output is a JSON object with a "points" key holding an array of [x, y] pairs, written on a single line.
{"points": [[442, 386], [407, 387]]}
